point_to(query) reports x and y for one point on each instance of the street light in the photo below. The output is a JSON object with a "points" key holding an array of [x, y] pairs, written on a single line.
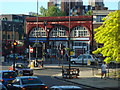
{"points": [[69, 43], [36, 44]]}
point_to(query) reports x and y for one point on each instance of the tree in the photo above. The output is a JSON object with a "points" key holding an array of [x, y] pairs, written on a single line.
{"points": [[43, 11], [51, 11], [54, 11], [108, 34], [89, 12]]}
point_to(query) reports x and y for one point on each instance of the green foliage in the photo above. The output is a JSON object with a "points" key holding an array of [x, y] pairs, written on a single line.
{"points": [[54, 11], [89, 12], [109, 35], [51, 11], [43, 11]]}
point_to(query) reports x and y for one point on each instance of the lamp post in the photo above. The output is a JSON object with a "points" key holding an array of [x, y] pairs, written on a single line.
{"points": [[14, 46], [69, 42], [36, 44]]}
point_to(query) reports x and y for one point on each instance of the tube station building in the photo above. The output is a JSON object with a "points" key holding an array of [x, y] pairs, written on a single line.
{"points": [[56, 33]]}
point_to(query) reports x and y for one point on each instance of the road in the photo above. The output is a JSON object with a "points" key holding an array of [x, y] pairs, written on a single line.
{"points": [[46, 76]]}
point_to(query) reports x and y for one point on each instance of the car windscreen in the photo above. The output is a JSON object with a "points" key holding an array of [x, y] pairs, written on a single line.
{"points": [[31, 81], [80, 57], [9, 75], [21, 66]]}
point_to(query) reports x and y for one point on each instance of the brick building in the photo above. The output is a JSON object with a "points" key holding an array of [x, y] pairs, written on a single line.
{"points": [[53, 33]]}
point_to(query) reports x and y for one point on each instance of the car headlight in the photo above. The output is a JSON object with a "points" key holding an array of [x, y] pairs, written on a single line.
{"points": [[24, 88]]}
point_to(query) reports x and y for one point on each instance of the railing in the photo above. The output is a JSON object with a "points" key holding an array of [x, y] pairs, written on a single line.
{"points": [[70, 73]]}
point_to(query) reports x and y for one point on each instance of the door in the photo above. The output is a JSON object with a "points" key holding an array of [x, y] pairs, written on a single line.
{"points": [[79, 59]]}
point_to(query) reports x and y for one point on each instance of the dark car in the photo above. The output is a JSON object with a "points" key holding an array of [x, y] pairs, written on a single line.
{"points": [[22, 69], [6, 76], [27, 83], [17, 56]]}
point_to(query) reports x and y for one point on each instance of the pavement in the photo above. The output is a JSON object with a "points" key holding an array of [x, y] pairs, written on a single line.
{"points": [[93, 81], [87, 78]]}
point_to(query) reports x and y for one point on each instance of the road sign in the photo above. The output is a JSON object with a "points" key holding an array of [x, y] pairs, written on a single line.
{"points": [[62, 52], [31, 50]]}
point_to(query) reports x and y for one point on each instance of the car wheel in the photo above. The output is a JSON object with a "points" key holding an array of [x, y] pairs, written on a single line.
{"points": [[73, 62]]}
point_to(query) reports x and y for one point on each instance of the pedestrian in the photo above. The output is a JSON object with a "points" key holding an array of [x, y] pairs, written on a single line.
{"points": [[66, 57], [103, 70]]}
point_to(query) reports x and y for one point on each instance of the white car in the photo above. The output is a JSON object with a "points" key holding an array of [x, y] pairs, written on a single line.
{"points": [[65, 88], [83, 59]]}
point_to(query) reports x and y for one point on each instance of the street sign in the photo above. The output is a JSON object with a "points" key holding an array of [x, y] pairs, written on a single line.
{"points": [[62, 52], [31, 50]]}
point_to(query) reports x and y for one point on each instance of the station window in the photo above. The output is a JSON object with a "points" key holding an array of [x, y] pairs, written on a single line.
{"points": [[80, 32], [40, 32], [58, 32]]}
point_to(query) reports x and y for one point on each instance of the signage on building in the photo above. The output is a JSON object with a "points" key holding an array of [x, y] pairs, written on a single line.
{"points": [[80, 39]]}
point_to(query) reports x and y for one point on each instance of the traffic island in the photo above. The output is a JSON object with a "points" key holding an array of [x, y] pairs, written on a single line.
{"points": [[70, 73]]}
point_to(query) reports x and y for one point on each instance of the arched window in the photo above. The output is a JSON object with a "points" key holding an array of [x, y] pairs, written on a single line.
{"points": [[58, 32], [80, 31], [40, 32], [5, 19]]}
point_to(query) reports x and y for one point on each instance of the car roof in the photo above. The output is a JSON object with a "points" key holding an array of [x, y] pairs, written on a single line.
{"points": [[6, 71], [19, 64], [66, 87], [1, 83], [20, 77]]}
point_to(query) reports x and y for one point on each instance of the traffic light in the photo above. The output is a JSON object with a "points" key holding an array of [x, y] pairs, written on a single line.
{"points": [[15, 43], [14, 46]]}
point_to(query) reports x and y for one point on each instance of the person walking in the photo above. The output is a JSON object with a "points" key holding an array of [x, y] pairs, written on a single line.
{"points": [[103, 70]]}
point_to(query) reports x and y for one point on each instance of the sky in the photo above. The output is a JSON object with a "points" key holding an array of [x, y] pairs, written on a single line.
{"points": [[26, 6]]}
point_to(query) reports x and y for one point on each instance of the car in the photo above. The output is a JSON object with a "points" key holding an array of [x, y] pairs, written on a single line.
{"points": [[73, 56], [6, 76], [22, 69], [17, 56], [2, 87], [27, 83], [65, 88], [83, 59]]}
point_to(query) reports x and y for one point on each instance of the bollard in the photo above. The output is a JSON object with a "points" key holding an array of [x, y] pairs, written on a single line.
{"points": [[88, 62], [32, 65]]}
